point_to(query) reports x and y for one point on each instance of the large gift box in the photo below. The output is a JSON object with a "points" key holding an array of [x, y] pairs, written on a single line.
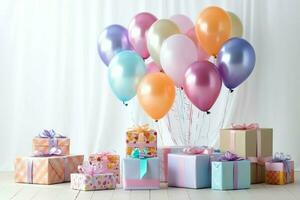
{"points": [[141, 137], [92, 177], [46, 170], [280, 171], [110, 160], [251, 142], [50, 139], [162, 153], [190, 169], [141, 172], [230, 172]]}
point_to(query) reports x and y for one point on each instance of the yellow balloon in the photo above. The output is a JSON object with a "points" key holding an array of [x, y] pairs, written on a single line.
{"points": [[158, 32], [156, 94], [236, 25]]}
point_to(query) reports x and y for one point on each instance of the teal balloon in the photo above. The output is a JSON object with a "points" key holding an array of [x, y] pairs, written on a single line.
{"points": [[125, 71]]}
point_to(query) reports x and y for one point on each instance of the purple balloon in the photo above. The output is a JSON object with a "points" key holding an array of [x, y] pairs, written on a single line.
{"points": [[112, 40], [202, 84], [235, 62]]}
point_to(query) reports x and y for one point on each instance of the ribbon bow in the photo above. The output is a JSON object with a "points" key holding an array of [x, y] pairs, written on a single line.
{"points": [[244, 126], [138, 153], [54, 151], [139, 129], [143, 159], [90, 169], [198, 150], [50, 134], [228, 156]]}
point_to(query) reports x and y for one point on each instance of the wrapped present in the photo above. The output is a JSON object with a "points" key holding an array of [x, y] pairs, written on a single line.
{"points": [[141, 137], [109, 160], [162, 153], [92, 177], [49, 139], [230, 172], [46, 170], [140, 172], [280, 170], [252, 142], [191, 168]]}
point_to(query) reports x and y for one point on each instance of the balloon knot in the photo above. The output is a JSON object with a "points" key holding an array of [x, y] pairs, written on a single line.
{"points": [[156, 120], [125, 104], [231, 90], [207, 112], [181, 88]]}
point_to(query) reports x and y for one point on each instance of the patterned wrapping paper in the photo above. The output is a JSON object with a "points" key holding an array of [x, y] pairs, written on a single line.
{"points": [[279, 174], [113, 165], [46, 170], [87, 182], [141, 137], [43, 145]]}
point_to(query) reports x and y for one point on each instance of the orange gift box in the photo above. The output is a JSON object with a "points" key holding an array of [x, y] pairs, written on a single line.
{"points": [[280, 173], [46, 170]]}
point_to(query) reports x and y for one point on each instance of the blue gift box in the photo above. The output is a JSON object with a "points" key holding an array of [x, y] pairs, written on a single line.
{"points": [[230, 175]]}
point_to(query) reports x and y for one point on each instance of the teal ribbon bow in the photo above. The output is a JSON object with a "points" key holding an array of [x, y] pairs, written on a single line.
{"points": [[142, 156]]}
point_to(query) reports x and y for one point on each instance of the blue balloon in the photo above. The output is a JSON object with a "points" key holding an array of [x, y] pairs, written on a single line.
{"points": [[235, 62], [125, 72]]}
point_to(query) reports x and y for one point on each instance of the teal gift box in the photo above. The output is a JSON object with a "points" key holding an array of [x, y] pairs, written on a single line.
{"points": [[230, 175]]}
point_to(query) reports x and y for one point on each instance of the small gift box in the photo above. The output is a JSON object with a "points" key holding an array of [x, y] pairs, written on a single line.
{"points": [[141, 172], [92, 177], [280, 170], [230, 172], [141, 137], [49, 139], [162, 153], [191, 168], [110, 160], [251, 142], [46, 170]]}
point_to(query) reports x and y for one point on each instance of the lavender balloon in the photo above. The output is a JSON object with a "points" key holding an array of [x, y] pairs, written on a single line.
{"points": [[112, 40], [235, 62]]}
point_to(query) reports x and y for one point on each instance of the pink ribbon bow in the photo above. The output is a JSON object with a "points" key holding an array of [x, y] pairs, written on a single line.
{"points": [[91, 169], [198, 150], [244, 126]]}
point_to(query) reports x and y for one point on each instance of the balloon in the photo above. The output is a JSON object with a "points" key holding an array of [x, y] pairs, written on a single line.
{"points": [[156, 94], [125, 71], [202, 55], [213, 28], [177, 53], [137, 30], [158, 32], [112, 40], [236, 25], [183, 22], [202, 84], [152, 67], [235, 62]]}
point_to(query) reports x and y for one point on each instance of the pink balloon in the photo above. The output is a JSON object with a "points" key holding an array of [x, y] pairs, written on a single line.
{"points": [[152, 67], [137, 30], [202, 55], [202, 84], [176, 54], [183, 22]]}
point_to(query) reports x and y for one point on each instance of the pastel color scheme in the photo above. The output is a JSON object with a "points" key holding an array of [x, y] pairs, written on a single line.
{"points": [[229, 175], [87, 182], [113, 165], [277, 174], [43, 145], [46, 170], [131, 174], [189, 171]]}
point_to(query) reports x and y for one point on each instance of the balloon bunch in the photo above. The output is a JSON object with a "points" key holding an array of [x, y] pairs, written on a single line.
{"points": [[155, 55]]}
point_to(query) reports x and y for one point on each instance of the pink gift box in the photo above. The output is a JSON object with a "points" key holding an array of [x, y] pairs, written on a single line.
{"points": [[80, 181]]}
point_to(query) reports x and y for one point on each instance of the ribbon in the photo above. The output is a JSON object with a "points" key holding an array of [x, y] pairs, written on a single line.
{"points": [[244, 126], [54, 151], [52, 137], [139, 129], [91, 169], [142, 156], [29, 171], [280, 157], [198, 150]]}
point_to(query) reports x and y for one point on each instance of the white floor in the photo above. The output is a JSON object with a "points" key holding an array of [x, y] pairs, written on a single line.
{"points": [[11, 190]]}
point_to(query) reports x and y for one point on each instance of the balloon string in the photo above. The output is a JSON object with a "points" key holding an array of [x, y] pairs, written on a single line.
{"points": [[207, 132], [170, 130], [160, 132], [225, 110], [181, 134], [201, 127], [190, 123]]}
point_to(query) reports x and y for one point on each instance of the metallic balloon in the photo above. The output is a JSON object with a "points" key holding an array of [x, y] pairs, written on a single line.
{"points": [[235, 62], [125, 71], [202, 84], [112, 40], [236, 25]]}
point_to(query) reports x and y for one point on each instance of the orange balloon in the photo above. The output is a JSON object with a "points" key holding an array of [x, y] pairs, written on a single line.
{"points": [[156, 94], [213, 28]]}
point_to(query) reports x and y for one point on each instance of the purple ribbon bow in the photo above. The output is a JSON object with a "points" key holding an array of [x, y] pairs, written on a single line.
{"points": [[54, 151], [228, 156], [50, 134], [92, 169]]}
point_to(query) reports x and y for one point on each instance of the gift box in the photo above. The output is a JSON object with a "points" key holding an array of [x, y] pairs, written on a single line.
{"points": [[230, 173], [110, 160], [191, 168], [252, 142], [92, 177], [162, 153], [141, 137], [49, 139], [46, 170], [280, 171], [141, 172]]}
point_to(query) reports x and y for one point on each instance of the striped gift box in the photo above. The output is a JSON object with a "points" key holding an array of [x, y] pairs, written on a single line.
{"points": [[43, 145]]}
